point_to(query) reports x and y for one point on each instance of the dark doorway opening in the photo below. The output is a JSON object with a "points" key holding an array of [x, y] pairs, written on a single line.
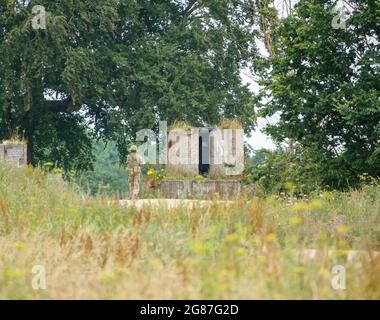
{"points": [[204, 163]]}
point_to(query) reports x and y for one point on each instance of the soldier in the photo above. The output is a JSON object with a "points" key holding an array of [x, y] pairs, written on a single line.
{"points": [[134, 164]]}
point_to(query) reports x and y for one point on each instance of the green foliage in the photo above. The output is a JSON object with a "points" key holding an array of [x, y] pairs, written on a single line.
{"points": [[108, 177], [295, 172], [324, 85], [258, 156], [109, 68]]}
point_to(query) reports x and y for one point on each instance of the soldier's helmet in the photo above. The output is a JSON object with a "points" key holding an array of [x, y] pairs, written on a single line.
{"points": [[133, 148]]}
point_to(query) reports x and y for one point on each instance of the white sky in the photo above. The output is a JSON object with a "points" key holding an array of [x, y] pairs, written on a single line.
{"points": [[258, 139]]}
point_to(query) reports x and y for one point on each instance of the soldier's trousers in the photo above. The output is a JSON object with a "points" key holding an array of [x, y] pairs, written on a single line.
{"points": [[134, 185]]}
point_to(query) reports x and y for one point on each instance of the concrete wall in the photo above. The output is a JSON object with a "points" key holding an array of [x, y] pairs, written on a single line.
{"points": [[177, 189], [183, 143], [218, 147], [221, 146], [15, 154]]}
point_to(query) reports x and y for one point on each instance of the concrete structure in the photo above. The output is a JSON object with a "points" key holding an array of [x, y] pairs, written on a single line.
{"points": [[210, 151], [181, 189], [182, 154], [15, 154]]}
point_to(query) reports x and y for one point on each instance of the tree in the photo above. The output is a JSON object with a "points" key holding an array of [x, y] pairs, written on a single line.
{"points": [[108, 68], [283, 170], [108, 177], [324, 85]]}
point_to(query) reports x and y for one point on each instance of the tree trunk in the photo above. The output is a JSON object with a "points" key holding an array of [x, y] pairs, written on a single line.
{"points": [[30, 150], [29, 128]]}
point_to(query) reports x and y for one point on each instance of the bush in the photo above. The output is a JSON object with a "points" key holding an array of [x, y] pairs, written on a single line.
{"points": [[283, 171]]}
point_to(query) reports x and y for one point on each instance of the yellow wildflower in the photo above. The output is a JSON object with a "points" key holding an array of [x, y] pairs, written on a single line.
{"points": [[107, 277], [200, 247], [327, 195], [48, 164], [12, 273], [341, 228], [233, 237], [270, 237], [240, 251], [316, 204], [300, 206], [289, 186], [262, 258], [151, 172], [19, 245], [295, 220], [299, 270]]}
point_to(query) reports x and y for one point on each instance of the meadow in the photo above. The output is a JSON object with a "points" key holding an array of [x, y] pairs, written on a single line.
{"points": [[274, 247]]}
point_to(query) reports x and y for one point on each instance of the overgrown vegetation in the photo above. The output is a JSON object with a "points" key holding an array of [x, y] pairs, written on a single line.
{"points": [[282, 170], [92, 76], [252, 248], [323, 82], [108, 177], [230, 124], [15, 138]]}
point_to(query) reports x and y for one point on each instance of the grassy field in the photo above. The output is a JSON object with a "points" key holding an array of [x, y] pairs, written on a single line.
{"points": [[253, 249]]}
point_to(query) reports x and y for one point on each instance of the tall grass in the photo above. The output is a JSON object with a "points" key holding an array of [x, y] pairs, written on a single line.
{"points": [[253, 248]]}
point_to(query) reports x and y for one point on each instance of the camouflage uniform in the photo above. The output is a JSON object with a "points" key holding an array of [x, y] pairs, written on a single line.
{"points": [[134, 164]]}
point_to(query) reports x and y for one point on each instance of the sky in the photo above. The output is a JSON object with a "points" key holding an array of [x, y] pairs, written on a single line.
{"points": [[258, 139]]}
